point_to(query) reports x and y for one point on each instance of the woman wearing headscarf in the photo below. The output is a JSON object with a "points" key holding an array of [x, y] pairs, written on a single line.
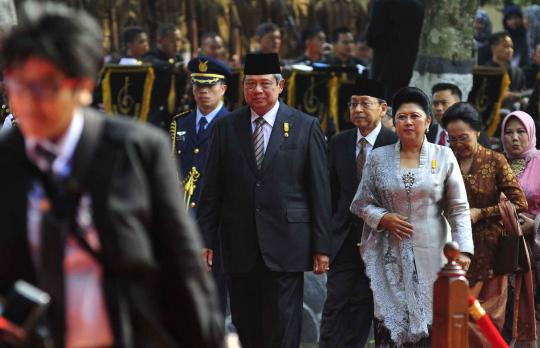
{"points": [[482, 32], [513, 24], [410, 193], [486, 175], [519, 143]]}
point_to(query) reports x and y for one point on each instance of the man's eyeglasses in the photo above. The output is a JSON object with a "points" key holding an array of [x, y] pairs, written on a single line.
{"points": [[463, 138], [264, 84], [366, 105], [45, 89]]}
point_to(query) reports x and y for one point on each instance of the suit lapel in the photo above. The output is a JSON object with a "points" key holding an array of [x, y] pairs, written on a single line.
{"points": [[191, 130], [84, 152], [276, 137], [208, 131], [244, 133], [350, 155]]}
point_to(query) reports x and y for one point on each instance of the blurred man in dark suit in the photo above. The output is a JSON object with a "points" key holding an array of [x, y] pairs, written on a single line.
{"points": [[92, 215]]}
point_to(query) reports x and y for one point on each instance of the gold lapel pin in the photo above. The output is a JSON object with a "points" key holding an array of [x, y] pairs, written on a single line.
{"points": [[433, 166], [286, 129]]}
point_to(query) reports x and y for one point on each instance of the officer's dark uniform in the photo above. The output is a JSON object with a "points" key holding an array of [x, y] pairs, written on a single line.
{"points": [[191, 146], [166, 93]]}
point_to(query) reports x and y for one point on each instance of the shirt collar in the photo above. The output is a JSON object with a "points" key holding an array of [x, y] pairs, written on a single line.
{"points": [[210, 116], [63, 149], [269, 117], [371, 137]]}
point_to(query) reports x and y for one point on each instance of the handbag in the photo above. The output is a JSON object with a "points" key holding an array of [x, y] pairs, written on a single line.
{"points": [[512, 250]]}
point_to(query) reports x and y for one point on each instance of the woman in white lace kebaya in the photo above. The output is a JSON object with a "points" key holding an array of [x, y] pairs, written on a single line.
{"points": [[411, 193]]}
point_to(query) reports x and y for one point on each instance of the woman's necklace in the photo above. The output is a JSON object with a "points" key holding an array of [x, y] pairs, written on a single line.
{"points": [[518, 165]]}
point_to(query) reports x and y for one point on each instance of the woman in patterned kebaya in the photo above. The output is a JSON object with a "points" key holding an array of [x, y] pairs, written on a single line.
{"points": [[486, 175], [410, 193]]}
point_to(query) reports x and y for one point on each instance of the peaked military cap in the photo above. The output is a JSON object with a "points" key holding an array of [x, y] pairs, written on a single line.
{"points": [[262, 64], [207, 70]]}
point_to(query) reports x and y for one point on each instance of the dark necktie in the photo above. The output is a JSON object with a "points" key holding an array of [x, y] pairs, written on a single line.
{"points": [[202, 128], [442, 139], [258, 141], [53, 238], [361, 158]]}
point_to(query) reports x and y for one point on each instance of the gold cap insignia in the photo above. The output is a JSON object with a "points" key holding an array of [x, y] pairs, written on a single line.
{"points": [[203, 66]]}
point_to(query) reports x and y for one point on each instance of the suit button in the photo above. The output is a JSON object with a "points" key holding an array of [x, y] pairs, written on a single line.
{"points": [[179, 152], [258, 184], [196, 151], [193, 204], [257, 209]]}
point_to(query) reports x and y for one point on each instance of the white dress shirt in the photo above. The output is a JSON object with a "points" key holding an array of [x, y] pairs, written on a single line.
{"points": [[87, 321], [270, 118], [370, 138], [209, 117]]}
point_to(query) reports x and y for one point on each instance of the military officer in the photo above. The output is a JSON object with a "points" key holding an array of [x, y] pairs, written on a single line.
{"points": [[208, 79]]}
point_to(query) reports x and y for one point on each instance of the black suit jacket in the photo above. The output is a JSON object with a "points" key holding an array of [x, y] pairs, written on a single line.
{"points": [[281, 211], [344, 183], [156, 292]]}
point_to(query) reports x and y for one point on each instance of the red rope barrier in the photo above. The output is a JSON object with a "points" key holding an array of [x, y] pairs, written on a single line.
{"points": [[484, 322]]}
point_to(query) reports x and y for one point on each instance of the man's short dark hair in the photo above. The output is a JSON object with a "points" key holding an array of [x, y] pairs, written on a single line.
{"points": [[443, 86], [265, 28], [69, 39], [309, 33], [130, 33], [495, 38], [165, 29], [338, 31]]}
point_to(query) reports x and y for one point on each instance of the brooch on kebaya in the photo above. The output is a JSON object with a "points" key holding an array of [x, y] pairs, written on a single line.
{"points": [[433, 166], [286, 129]]}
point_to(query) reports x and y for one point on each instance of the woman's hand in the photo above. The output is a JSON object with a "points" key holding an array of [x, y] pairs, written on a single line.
{"points": [[464, 261], [527, 226], [397, 225], [475, 215]]}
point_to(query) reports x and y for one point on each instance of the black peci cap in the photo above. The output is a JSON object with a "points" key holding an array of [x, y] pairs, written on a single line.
{"points": [[262, 64], [370, 88]]}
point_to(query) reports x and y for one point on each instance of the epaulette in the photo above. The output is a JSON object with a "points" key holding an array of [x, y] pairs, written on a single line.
{"points": [[182, 114]]}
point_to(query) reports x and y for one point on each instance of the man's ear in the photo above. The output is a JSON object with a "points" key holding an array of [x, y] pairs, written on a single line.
{"points": [[85, 89]]}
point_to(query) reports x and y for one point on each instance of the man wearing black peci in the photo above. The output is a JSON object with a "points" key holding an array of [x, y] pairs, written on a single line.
{"points": [[348, 310], [266, 193]]}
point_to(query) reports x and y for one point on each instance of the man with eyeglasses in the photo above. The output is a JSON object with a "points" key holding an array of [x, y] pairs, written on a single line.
{"points": [[92, 214], [348, 309], [267, 196]]}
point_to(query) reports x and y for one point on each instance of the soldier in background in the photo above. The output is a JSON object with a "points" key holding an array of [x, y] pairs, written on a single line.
{"points": [[170, 79], [212, 45], [313, 40], [332, 14], [343, 43], [219, 17]]}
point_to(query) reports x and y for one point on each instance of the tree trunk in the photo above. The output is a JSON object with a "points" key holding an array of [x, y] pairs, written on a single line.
{"points": [[445, 52]]}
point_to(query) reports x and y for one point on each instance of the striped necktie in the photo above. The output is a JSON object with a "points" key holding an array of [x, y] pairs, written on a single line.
{"points": [[361, 159], [258, 141]]}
